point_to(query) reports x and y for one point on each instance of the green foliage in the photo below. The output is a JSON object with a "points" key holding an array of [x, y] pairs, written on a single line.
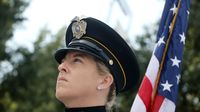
{"points": [[31, 84], [10, 16]]}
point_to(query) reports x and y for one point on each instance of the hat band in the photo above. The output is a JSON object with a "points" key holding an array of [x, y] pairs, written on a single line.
{"points": [[83, 44]]}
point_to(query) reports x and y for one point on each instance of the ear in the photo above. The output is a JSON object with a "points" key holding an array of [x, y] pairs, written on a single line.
{"points": [[105, 82]]}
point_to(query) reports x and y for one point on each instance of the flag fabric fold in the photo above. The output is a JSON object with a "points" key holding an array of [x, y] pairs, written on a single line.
{"points": [[159, 88]]}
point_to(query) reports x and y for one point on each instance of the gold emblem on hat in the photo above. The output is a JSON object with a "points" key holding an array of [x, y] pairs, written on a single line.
{"points": [[78, 28]]}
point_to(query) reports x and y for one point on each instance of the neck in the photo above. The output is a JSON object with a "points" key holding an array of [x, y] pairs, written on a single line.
{"points": [[86, 101]]}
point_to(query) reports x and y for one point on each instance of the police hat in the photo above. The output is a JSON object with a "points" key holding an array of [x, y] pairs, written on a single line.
{"points": [[94, 37]]}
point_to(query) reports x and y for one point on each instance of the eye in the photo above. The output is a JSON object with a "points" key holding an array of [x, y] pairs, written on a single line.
{"points": [[77, 60]]}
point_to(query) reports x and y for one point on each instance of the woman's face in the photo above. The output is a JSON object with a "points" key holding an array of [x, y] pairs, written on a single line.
{"points": [[78, 77]]}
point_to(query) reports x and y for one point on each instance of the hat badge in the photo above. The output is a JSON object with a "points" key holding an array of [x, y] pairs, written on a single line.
{"points": [[79, 28]]}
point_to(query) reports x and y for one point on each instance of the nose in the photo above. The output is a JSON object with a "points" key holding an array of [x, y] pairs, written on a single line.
{"points": [[62, 67]]}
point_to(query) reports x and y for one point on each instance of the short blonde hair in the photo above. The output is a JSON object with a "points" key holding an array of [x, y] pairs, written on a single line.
{"points": [[103, 69]]}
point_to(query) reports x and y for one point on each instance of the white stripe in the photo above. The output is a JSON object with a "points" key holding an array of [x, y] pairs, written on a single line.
{"points": [[167, 106], [138, 105], [152, 70]]}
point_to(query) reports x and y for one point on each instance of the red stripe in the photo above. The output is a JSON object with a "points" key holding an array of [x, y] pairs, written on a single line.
{"points": [[145, 92], [157, 103]]}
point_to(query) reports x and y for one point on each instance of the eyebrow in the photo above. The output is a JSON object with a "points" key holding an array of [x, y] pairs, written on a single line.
{"points": [[75, 54], [79, 55]]}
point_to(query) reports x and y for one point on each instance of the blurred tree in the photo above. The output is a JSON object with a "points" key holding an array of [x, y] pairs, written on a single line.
{"points": [[10, 16], [31, 84]]}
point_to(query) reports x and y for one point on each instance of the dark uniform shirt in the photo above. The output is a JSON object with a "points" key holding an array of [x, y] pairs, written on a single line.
{"points": [[87, 109]]}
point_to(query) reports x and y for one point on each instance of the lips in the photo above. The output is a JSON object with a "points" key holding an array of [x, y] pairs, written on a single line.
{"points": [[61, 79]]}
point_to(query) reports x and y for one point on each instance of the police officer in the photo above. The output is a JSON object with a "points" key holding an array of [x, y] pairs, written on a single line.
{"points": [[94, 67]]}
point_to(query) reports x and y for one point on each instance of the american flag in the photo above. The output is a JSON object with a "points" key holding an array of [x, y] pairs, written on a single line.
{"points": [[159, 88]]}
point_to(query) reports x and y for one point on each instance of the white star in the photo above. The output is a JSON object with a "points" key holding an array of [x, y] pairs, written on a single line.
{"points": [[178, 78], [188, 12], [175, 61], [161, 41], [182, 37], [174, 9], [167, 86]]}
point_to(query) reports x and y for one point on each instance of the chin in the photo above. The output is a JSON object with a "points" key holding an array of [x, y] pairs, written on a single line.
{"points": [[60, 94]]}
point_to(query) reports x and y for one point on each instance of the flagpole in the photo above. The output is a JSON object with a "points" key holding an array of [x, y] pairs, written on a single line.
{"points": [[164, 54]]}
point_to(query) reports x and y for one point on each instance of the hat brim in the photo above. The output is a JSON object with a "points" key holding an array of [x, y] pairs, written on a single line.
{"points": [[61, 53]]}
